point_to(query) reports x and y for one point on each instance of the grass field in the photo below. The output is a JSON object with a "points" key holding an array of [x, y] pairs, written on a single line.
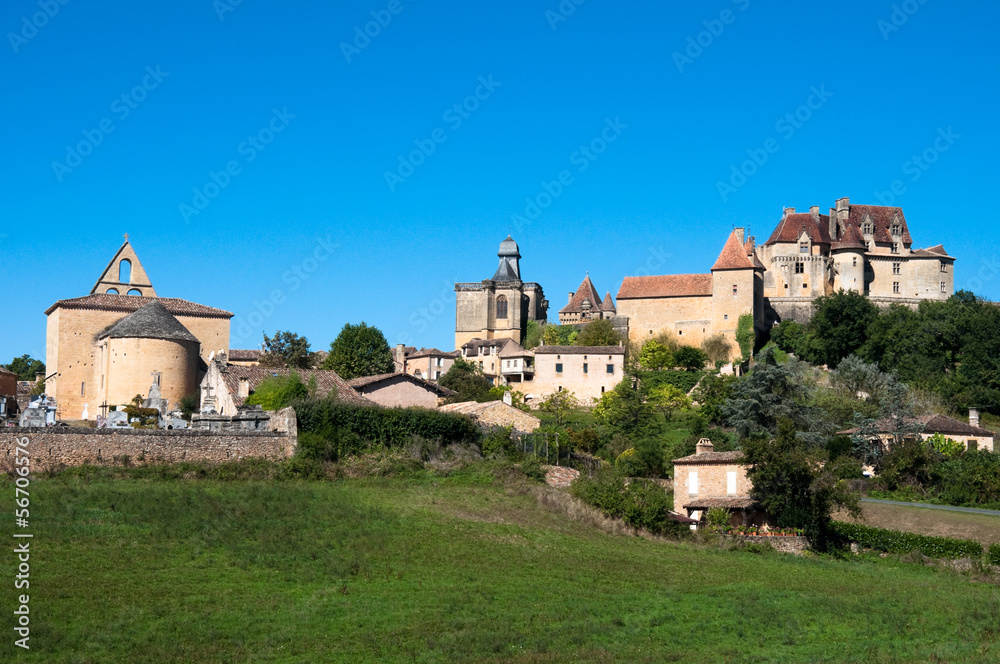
{"points": [[463, 568], [962, 525]]}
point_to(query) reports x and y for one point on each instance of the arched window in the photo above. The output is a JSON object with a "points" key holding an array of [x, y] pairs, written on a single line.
{"points": [[112, 291], [502, 306], [125, 271], [135, 291]]}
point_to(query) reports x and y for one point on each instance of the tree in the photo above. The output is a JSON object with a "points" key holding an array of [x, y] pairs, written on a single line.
{"points": [[551, 335], [468, 381], [745, 335], [277, 392], [792, 337], [669, 398], [559, 405], [598, 333], [624, 410], [533, 335], [26, 367], [712, 392], [690, 358], [287, 350], [840, 325], [360, 350], [654, 356], [716, 348], [792, 484]]}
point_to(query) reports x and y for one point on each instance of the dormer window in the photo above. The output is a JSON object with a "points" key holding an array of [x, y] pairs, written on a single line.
{"points": [[803, 247], [895, 229], [895, 247], [866, 228]]}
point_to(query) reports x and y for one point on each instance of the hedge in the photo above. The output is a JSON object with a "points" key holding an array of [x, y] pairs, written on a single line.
{"points": [[638, 503], [392, 427], [994, 554], [685, 380], [894, 541]]}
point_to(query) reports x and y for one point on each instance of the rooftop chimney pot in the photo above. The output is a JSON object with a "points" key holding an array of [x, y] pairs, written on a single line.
{"points": [[704, 446]]}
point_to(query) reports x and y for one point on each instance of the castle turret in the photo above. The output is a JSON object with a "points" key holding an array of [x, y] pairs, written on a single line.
{"points": [[849, 261]]}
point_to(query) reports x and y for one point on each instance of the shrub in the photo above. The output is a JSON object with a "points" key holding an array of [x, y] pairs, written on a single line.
{"points": [[629, 464], [532, 467], [717, 518], [638, 503], [497, 442], [993, 556], [894, 541]]}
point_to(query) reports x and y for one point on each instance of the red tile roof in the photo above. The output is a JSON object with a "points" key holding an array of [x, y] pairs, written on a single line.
{"points": [[608, 304], [368, 381], [580, 350], [791, 226], [432, 352], [585, 291], [711, 457], [130, 303], [326, 382], [882, 218], [933, 424], [851, 239], [734, 255], [668, 285]]}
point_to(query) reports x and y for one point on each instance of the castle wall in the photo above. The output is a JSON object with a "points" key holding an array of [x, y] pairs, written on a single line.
{"points": [[689, 317], [728, 306]]}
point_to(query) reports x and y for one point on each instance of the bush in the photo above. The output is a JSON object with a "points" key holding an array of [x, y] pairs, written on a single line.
{"points": [[993, 556], [894, 541], [497, 443], [639, 503], [532, 467], [682, 380]]}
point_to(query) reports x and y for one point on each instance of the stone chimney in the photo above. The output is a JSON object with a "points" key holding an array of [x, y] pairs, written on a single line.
{"points": [[789, 210], [245, 387], [40, 377], [843, 210], [834, 226], [704, 446], [974, 417], [739, 234], [571, 294], [814, 211]]}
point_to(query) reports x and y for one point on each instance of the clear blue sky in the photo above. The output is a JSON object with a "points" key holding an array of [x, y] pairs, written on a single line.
{"points": [[649, 201]]}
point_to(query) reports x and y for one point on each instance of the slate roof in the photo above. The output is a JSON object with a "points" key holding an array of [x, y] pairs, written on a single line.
{"points": [[580, 350], [152, 321], [585, 291], [244, 354], [733, 255], [790, 228], [130, 303], [933, 424], [730, 502], [668, 285], [882, 218], [372, 381], [326, 381], [711, 457]]}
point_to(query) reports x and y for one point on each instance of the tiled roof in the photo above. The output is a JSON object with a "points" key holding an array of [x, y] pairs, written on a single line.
{"points": [[152, 321], [585, 291], [432, 352], [244, 354], [130, 303], [326, 381], [851, 239], [790, 228], [580, 350], [932, 424], [730, 502], [937, 251], [711, 457], [882, 218], [475, 408], [369, 381], [24, 387], [475, 344], [7, 372], [608, 304], [733, 255], [668, 285]]}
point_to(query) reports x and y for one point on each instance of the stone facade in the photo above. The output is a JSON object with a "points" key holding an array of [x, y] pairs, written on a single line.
{"points": [[62, 446], [400, 390], [587, 371], [714, 479], [495, 414], [500, 307], [428, 363]]}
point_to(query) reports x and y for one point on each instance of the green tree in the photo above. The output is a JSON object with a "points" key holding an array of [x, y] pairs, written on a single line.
{"points": [[792, 337], [468, 381], [277, 392], [559, 405], [711, 394], [668, 398], [840, 326], [550, 335], [533, 335], [598, 333], [359, 350], [654, 356], [624, 410], [690, 358], [717, 349], [745, 335], [287, 350], [26, 367]]}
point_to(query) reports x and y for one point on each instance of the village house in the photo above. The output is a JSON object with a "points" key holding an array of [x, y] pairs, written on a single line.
{"points": [[429, 363], [401, 390], [245, 357], [708, 479], [586, 371], [968, 433]]}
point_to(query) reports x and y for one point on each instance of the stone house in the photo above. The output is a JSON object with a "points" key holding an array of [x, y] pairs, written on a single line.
{"points": [[429, 363], [708, 479], [586, 305], [401, 390], [968, 433], [587, 371], [499, 307], [495, 413], [485, 354]]}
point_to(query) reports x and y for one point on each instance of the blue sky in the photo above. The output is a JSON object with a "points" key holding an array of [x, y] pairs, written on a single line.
{"points": [[121, 114]]}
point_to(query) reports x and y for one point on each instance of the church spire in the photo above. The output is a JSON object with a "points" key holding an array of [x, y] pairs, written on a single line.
{"points": [[509, 255]]}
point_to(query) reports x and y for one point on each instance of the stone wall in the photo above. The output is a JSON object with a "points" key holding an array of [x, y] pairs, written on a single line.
{"points": [[64, 446], [796, 545]]}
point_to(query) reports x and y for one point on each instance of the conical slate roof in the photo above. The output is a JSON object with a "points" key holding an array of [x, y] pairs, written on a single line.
{"points": [[152, 321], [585, 291]]}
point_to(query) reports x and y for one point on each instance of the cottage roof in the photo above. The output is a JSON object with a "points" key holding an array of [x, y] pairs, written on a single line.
{"points": [[729, 502], [793, 224], [711, 457], [580, 350], [733, 255], [432, 352], [7, 372], [668, 285], [932, 424], [369, 383], [937, 251], [475, 409], [244, 354], [326, 382], [152, 321], [130, 303]]}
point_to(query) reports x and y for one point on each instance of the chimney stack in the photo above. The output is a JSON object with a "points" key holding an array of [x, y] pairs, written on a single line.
{"points": [[739, 234], [814, 211], [571, 294], [704, 446], [834, 226], [974, 417], [789, 210]]}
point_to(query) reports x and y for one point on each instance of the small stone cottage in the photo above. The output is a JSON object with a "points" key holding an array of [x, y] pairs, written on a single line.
{"points": [[708, 479]]}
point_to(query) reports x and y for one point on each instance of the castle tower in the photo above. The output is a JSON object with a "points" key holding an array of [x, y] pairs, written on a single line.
{"points": [[849, 261], [737, 286]]}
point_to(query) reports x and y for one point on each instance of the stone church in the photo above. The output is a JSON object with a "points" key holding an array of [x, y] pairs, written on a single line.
{"points": [[501, 306], [106, 347]]}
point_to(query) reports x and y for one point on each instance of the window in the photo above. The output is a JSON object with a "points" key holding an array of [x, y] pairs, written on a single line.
{"points": [[480, 364], [944, 267], [895, 268], [559, 388], [854, 263], [680, 332], [440, 362], [112, 291], [805, 285], [800, 267], [784, 266], [125, 271], [867, 228], [693, 483], [803, 247], [944, 287], [418, 374], [895, 247], [611, 368], [731, 482], [725, 316], [895, 287], [602, 389], [735, 289], [895, 229], [83, 388], [502, 306], [584, 367], [559, 367]]}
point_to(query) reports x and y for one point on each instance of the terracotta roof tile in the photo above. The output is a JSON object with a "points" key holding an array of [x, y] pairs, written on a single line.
{"points": [[326, 381], [790, 228], [367, 381], [882, 218], [580, 350], [851, 239], [711, 457], [733, 255], [933, 424], [432, 352], [731, 502], [130, 303], [668, 285], [585, 291], [608, 304]]}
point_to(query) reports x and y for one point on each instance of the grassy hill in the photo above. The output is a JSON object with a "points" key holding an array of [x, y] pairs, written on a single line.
{"points": [[459, 568]]}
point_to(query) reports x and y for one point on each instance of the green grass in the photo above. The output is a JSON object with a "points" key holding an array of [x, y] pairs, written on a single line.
{"points": [[462, 568]]}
